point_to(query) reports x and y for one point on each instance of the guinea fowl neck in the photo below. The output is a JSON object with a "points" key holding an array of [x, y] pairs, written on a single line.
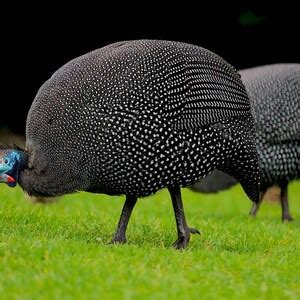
{"points": [[21, 164]]}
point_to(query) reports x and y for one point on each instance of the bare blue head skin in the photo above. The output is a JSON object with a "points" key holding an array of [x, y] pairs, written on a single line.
{"points": [[11, 163]]}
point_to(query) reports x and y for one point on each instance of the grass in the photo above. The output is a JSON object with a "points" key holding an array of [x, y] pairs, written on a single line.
{"points": [[61, 251]]}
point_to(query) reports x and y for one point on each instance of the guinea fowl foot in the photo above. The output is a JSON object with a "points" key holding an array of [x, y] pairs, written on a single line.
{"points": [[118, 240], [183, 241], [287, 218]]}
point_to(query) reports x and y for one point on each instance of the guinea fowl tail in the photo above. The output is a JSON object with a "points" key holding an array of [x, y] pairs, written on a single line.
{"points": [[247, 175], [241, 159]]}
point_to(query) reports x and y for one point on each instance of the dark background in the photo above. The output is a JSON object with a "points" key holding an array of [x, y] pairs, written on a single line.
{"points": [[36, 43]]}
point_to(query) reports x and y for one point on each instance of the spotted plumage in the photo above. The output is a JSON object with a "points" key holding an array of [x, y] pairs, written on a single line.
{"points": [[134, 117], [274, 92]]}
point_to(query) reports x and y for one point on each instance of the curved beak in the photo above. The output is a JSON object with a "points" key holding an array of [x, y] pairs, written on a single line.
{"points": [[4, 177], [8, 180]]}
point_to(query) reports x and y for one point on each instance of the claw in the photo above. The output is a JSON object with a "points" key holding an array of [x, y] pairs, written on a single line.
{"points": [[183, 241], [287, 219], [194, 230], [118, 241]]}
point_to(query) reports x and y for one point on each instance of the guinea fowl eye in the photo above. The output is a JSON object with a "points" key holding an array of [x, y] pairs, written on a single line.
{"points": [[5, 161]]}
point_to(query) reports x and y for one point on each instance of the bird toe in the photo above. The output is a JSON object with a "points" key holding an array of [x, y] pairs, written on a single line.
{"points": [[181, 242], [287, 219], [194, 231], [118, 240]]}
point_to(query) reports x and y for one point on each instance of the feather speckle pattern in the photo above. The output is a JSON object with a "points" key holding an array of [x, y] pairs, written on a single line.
{"points": [[274, 91], [134, 117]]}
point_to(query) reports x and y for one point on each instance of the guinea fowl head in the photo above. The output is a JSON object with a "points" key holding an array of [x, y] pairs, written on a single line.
{"points": [[36, 176], [11, 163]]}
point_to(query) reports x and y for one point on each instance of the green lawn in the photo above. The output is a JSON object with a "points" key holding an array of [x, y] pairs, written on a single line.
{"points": [[61, 251]]}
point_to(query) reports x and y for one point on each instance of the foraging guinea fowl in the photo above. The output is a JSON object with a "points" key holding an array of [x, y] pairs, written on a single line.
{"points": [[132, 118], [274, 93]]}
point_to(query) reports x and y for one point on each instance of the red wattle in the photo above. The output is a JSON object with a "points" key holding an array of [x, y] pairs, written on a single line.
{"points": [[10, 179]]}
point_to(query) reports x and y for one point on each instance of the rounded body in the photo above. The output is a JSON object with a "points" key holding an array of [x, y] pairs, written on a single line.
{"points": [[137, 116]]}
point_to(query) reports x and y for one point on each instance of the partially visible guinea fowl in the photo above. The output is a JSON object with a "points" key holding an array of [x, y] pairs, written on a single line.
{"points": [[274, 93], [132, 118]]}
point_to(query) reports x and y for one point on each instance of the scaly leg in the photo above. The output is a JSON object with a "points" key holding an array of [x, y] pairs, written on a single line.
{"points": [[183, 230], [286, 216], [256, 206], [120, 233]]}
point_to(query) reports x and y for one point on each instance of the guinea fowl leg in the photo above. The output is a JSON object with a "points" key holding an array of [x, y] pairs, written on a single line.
{"points": [[120, 233], [256, 206], [286, 216], [183, 230]]}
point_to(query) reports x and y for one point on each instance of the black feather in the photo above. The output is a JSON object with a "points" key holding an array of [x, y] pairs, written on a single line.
{"points": [[137, 116], [274, 92]]}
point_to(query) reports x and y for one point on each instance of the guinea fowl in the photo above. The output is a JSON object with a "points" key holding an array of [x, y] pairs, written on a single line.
{"points": [[134, 117], [274, 92]]}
